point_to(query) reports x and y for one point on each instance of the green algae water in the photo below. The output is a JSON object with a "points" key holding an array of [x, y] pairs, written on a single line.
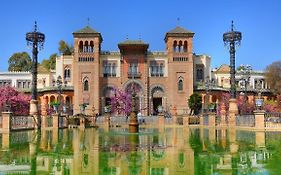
{"points": [[168, 151]]}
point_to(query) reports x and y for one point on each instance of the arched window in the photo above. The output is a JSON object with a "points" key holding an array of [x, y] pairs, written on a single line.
{"points": [[180, 47], [91, 46], [85, 49], [175, 46], [81, 46], [180, 85], [86, 85], [185, 46], [66, 72]]}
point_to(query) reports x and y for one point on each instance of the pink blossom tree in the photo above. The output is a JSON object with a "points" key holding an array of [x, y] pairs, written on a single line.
{"points": [[18, 102], [243, 106], [273, 105], [121, 102]]}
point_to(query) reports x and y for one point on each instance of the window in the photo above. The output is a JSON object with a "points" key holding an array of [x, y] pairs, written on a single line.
{"points": [[66, 73], [199, 74], [19, 84], [180, 85], [86, 85], [133, 69], [109, 69], [157, 69]]}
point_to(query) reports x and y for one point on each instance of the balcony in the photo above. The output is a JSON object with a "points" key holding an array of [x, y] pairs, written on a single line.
{"points": [[134, 75]]}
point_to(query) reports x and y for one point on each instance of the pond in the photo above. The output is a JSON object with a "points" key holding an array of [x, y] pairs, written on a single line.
{"points": [[166, 151]]}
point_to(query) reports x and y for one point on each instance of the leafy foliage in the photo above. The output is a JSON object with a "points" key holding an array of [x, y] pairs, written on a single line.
{"points": [[273, 76], [65, 48], [20, 61], [19, 102], [195, 103], [50, 63]]}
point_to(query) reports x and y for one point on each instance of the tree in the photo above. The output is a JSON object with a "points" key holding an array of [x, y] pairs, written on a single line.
{"points": [[65, 48], [18, 102], [273, 76], [20, 61], [121, 102], [50, 63], [195, 103]]}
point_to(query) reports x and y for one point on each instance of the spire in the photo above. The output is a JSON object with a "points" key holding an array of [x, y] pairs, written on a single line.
{"points": [[88, 21], [178, 21]]}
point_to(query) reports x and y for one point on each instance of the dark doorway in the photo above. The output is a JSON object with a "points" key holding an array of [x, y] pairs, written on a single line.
{"points": [[107, 101], [156, 102]]}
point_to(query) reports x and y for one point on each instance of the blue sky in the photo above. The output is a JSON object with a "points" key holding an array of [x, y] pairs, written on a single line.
{"points": [[258, 20]]}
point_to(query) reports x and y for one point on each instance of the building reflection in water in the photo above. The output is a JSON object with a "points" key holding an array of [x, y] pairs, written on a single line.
{"points": [[152, 152]]}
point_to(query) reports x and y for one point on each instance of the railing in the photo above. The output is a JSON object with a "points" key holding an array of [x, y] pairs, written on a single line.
{"points": [[245, 120], [62, 122], [179, 121], [22, 122], [134, 75], [168, 120], [194, 120], [272, 120], [218, 120], [119, 120], [100, 120], [205, 120], [151, 120]]}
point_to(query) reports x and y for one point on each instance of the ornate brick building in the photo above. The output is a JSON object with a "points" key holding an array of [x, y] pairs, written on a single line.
{"points": [[161, 78]]}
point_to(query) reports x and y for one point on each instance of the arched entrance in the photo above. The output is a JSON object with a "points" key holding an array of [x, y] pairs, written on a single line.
{"points": [[137, 88], [107, 93], [157, 95]]}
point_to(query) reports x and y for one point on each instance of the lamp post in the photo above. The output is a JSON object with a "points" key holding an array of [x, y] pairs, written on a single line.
{"points": [[59, 86], [34, 39], [231, 39]]}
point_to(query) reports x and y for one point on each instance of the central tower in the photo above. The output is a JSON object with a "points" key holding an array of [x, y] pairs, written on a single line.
{"points": [[87, 45], [180, 60]]}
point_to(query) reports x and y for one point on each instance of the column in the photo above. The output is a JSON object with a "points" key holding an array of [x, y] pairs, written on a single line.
{"points": [[55, 121], [44, 122], [223, 115], [259, 119], [212, 119], [233, 111], [43, 106], [5, 140], [43, 142], [6, 122], [260, 139]]}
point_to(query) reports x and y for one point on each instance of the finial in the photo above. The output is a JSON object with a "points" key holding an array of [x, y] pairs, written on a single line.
{"points": [[127, 37], [88, 21], [178, 19], [139, 36], [35, 26], [232, 26]]}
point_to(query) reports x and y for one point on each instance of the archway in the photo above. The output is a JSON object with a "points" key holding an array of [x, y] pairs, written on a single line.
{"points": [[157, 94], [107, 93], [136, 88]]}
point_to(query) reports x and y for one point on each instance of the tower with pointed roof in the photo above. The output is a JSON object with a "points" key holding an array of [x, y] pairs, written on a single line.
{"points": [[86, 79], [180, 60]]}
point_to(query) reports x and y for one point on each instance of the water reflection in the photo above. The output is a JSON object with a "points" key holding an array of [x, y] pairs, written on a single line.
{"points": [[153, 152]]}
